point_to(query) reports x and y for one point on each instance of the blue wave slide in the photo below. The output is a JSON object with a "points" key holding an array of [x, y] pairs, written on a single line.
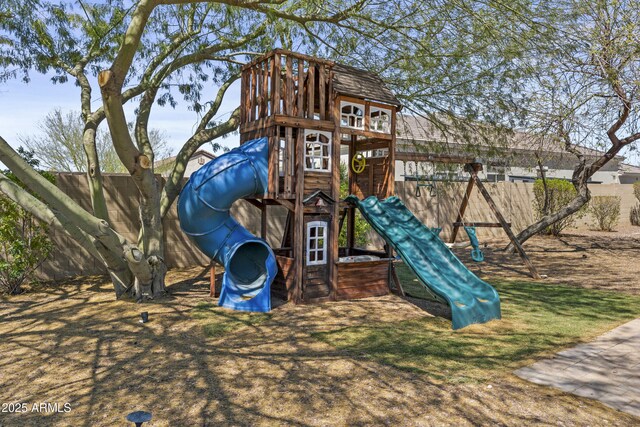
{"points": [[203, 210], [471, 299]]}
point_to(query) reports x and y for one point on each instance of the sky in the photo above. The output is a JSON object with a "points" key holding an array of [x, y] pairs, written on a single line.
{"points": [[22, 105]]}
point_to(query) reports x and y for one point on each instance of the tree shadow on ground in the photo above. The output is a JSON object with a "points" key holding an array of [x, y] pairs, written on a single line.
{"points": [[82, 347]]}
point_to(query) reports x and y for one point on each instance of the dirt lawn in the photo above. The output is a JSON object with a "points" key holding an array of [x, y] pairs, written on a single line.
{"points": [[74, 344]]}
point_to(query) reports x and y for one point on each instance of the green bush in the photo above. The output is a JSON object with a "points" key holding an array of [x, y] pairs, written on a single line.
{"points": [[24, 242], [605, 211], [561, 192], [634, 215], [362, 227]]}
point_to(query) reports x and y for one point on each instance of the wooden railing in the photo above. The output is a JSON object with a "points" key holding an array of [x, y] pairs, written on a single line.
{"points": [[286, 83]]}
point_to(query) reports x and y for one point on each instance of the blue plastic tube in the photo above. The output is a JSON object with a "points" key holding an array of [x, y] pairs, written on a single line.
{"points": [[203, 210]]}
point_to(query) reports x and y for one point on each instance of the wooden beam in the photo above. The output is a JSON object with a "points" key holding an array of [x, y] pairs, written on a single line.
{"points": [[506, 227], [212, 280], [287, 204], [396, 280], [286, 234], [255, 203], [366, 133], [480, 224], [463, 207], [303, 123], [287, 53], [343, 216], [258, 124]]}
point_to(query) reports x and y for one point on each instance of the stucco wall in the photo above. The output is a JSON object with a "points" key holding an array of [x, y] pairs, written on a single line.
{"points": [[69, 259], [513, 199]]}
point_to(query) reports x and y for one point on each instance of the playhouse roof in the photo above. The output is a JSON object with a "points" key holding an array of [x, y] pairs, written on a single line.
{"points": [[358, 83]]}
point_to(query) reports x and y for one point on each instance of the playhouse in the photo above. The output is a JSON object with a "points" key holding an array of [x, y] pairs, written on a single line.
{"points": [[309, 108], [297, 113]]}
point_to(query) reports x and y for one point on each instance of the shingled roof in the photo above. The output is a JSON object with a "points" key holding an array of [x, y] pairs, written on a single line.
{"points": [[358, 83]]}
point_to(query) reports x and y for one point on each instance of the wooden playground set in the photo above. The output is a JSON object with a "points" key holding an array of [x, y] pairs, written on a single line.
{"points": [[311, 110]]}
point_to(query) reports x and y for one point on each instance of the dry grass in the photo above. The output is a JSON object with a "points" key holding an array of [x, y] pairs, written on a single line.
{"points": [[194, 364]]}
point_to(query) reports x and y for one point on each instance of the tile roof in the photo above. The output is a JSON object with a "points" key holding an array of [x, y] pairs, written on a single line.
{"points": [[412, 129]]}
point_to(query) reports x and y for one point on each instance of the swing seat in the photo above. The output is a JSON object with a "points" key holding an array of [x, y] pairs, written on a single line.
{"points": [[476, 252], [477, 255]]}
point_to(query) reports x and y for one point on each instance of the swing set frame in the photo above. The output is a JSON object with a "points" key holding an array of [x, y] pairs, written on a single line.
{"points": [[473, 166]]}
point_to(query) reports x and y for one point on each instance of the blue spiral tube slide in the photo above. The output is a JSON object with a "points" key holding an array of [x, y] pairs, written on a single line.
{"points": [[203, 210]]}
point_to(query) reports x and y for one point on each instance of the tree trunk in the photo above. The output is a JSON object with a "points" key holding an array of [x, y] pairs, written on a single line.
{"points": [[94, 175], [151, 237], [543, 176], [580, 179]]}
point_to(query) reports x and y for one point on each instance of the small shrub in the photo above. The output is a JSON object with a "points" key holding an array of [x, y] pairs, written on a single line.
{"points": [[561, 192], [362, 227], [24, 242], [634, 215], [605, 211]]}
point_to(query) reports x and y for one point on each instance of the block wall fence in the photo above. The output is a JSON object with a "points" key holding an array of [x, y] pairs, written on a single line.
{"points": [[514, 199]]}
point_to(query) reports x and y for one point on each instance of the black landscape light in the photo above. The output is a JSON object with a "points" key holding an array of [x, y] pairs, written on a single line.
{"points": [[145, 316], [139, 417]]}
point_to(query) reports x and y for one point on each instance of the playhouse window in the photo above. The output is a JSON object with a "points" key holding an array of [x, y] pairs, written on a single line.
{"points": [[380, 120], [317, 151], [352, 115], [316, 243]]}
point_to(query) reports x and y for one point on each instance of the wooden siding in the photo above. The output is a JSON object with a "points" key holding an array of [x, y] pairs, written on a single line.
{"points": [[283, 283], [373, 181], [314, 181], [362, 279]]}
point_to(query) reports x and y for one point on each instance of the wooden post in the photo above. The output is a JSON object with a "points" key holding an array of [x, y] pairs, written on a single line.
{"points": [[289, 103], [254, 94], [264, 98], [263, 221], [301, 90], [391, 178], [298, 221], [463, 206], [212, 280], [351, 213], [289, 169], [323, 95], [311, 85], [505, 226], [335, 190], [276, 72], [396, 280]]}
